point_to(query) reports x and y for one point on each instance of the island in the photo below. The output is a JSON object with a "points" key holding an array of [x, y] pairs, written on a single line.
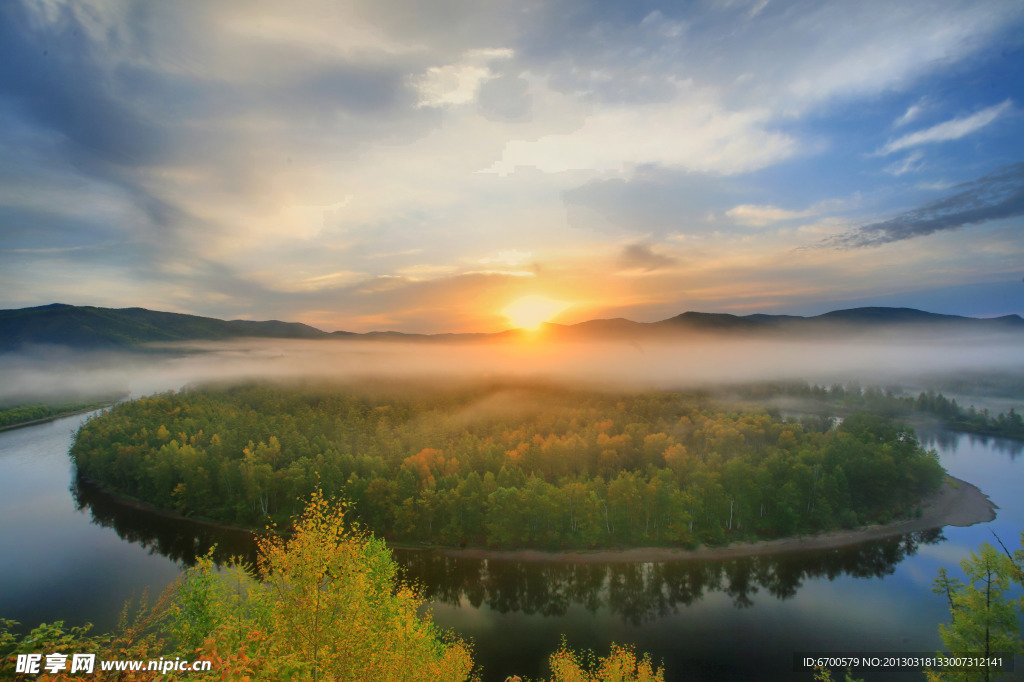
{"points": [[508, 464]]}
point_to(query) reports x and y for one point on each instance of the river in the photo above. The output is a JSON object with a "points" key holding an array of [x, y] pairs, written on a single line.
{"points": [[74, 554]]}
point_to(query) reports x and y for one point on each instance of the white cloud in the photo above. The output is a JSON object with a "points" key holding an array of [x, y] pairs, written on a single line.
{"points": [[757, 8], [662, 25], [910, 164], [912, 113], [953, 129], [654, 98], [760, 216], [844, 49], [458, 83], [754, 215], [694, 135]]}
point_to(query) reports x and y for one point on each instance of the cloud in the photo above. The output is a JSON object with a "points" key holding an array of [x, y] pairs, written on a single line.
{"points": [[426, 271], [330, 280], [655, 98], [997, 196], [509, 257], [227, 159], [908, 165], [936, 186], [828, 51], [688, 134], [953, 129], [753, 215], [505, 98], [760, 216], [912, 113], [458, 83], [642, 257], [653, 200]]}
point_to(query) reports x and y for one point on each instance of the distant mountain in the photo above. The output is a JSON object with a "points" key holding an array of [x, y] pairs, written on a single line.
{"points": [[102, 328], [888, 316], [718, 322], [853, 320], [89, 327]]}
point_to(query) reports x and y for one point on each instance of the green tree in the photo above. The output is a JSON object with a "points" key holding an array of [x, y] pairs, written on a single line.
{"points": [[139, 635], [983, 615]]}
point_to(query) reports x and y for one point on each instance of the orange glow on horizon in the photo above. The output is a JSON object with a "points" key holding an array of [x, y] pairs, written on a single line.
{"points": [[531, 311]]}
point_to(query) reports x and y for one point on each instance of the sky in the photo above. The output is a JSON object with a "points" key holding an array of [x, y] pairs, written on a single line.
{"points": [[423, 166]]}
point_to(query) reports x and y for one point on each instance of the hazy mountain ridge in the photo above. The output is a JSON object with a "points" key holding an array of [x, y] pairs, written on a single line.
{"points": [[117, 328], [109, 328]]}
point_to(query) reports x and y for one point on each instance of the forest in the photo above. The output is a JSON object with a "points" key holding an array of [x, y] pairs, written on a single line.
{"points": [[507, 464], [928, 405], [19, 415]]}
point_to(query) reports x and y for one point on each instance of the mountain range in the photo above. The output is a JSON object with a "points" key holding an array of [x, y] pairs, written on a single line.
{"points": [[89, 327]]}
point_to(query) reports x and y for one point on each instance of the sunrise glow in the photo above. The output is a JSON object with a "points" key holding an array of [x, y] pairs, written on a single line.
{"points": [[531, 311]]}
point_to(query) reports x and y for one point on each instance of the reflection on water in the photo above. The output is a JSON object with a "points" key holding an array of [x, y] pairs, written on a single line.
{"points": [[635, 592], [642, 592], [178, 539], [738, 619], [951, 441]]}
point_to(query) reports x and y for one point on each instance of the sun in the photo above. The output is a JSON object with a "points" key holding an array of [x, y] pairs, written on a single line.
{"points": [[531, 311]]}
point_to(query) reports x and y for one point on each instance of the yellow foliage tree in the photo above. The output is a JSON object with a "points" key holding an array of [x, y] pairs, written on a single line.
{"points": [[329, 606], [620, 665]]}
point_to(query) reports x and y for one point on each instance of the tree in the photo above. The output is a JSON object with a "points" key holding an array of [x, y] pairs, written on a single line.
{"points": [[983, 616], [329, 606], [139, 635], [825, 675], [620, 665]]}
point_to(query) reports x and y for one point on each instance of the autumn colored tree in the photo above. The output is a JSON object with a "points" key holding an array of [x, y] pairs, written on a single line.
{"points": [[620, 665], [825, 675], [329, 606]]}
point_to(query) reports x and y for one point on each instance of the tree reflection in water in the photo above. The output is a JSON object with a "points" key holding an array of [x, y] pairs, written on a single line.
{"points": [[641, 592], [636, 592], [180, 540], [951, 441]]}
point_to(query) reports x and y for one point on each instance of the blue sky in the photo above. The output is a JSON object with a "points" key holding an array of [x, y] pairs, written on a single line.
{"points": [[420, 166]]}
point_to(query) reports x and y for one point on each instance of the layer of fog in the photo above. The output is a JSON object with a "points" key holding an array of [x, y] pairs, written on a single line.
{"points": [[60, 373]]}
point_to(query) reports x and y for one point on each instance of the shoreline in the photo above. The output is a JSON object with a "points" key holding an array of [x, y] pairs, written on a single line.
{"points": [[53, 417], [957, 503], [147, 508]]}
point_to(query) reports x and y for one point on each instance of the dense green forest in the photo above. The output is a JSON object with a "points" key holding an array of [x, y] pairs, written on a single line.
{"points": [[506, 465], [886, 402]]}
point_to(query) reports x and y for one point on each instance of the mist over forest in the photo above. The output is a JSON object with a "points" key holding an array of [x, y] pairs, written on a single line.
{"points": [[906, 362]]}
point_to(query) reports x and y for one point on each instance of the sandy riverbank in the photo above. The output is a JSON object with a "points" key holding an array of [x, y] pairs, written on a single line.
{"points": [[957, 503]]}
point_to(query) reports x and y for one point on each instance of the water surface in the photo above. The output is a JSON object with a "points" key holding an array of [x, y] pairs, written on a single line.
{"points": [[73, 553]]}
